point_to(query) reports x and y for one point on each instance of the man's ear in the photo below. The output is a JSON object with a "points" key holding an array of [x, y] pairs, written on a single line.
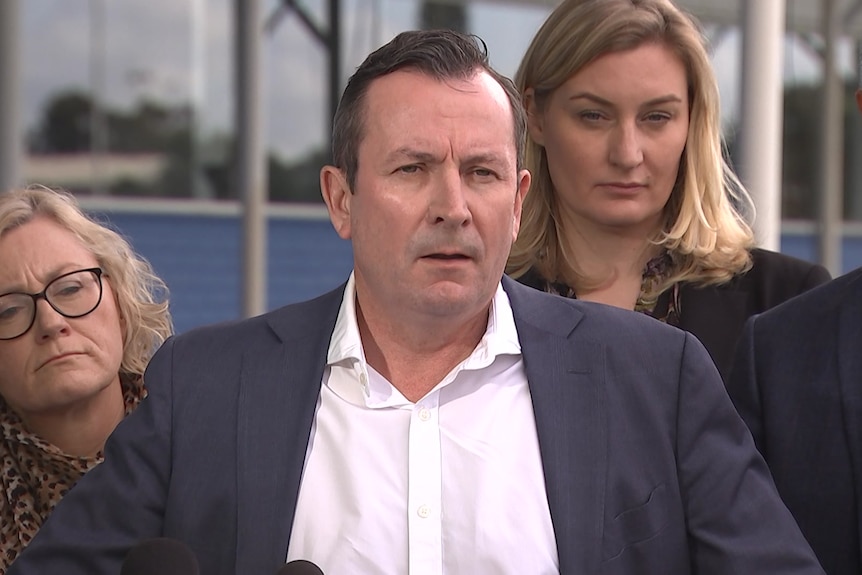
{"points": [[337, 195], [535, 122], [524, 178]]}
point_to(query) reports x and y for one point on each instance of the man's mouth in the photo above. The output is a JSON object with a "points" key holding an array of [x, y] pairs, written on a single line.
{"points": [[447, 256]]}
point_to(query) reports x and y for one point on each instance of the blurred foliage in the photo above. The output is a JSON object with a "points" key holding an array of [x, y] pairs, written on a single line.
{"points": [[801, 162], [67, 126]]}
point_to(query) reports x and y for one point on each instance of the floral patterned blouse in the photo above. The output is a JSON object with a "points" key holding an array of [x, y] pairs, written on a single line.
{"points": [[666, 307]]}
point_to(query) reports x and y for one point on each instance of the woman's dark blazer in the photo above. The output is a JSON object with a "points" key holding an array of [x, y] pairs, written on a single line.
{"points": [[717, 314]]}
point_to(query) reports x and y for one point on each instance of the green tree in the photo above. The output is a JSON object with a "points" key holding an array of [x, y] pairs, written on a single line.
{"points": [[153, 128], [65, 124]]}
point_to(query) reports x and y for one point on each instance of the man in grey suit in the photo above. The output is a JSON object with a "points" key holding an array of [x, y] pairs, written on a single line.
{"points": [[427, 416], [797, 382]]}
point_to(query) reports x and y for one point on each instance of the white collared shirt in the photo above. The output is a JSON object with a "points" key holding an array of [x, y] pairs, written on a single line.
{"points": [[451, 484]]}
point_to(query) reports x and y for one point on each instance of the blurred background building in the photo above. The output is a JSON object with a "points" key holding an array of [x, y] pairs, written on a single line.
{"points": [[198, 127]]}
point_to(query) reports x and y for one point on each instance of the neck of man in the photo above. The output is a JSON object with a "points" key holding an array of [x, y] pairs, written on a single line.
{"points": [[82, 429], [414, 355]]}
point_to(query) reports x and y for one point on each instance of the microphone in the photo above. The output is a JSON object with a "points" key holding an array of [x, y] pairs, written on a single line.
{"points": [[299, 567], [161, 556]]}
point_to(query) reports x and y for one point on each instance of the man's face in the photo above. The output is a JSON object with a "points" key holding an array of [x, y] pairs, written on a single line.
{"points": [[437, 200]]}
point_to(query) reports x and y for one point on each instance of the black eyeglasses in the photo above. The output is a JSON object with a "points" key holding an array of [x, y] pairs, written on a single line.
{"points": [[72, 295]]}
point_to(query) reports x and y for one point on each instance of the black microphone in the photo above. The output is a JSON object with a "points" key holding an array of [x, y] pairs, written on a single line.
{"points": [[299, 567], [161, 556]]}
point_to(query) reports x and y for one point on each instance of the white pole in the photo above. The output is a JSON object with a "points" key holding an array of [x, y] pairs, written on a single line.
{"points": [[197, 95], [762, 112], [831, 181], [250, 167], [99, 97], [10, 135]]}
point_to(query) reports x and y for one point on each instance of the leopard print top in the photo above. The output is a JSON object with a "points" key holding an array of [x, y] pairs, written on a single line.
{"points": [[36, 475]]}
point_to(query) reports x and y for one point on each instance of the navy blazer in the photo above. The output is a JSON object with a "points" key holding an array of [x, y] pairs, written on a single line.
{"points": [[798, 384], [648, 467]]}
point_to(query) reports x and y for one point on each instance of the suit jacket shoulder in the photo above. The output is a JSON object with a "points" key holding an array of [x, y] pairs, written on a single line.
{"points": [[647, 465], [796, 384], [717, 314], [818, 302], [775, 277]]}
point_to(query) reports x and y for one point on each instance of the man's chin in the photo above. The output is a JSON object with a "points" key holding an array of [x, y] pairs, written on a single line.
{"points": [[454, 300]]}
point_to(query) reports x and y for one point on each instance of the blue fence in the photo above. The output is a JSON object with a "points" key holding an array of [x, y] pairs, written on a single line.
{"points": [[199, 256]]}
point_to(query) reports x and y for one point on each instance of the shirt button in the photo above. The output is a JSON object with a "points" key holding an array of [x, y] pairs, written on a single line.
{"points": [[424, 511], [363, 380], [424, 414]]}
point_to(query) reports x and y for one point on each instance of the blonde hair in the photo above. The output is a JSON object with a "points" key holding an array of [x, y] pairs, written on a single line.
{"points": [[141, 296], [704, 232]]}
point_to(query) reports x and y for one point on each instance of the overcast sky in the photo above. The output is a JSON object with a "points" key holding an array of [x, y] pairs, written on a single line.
{"points": [[151, 48]]}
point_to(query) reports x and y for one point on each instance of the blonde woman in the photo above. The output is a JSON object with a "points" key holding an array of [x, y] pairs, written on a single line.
{"points": [[632, 203], [80, 316]]}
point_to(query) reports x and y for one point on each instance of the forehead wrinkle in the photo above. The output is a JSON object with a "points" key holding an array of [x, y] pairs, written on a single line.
{"points": [[486, 158], [412, 153], [468, 158], [47, 277], [448, 137], [57, 250]]}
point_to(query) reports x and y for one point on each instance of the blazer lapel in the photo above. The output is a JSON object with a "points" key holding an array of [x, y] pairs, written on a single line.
{"points": [[850, 377], [566, 377], [277, 400]]}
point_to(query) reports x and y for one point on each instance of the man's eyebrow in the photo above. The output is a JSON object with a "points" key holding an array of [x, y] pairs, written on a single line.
{"points": [[414, 155], [484, 158], [406, 152]]}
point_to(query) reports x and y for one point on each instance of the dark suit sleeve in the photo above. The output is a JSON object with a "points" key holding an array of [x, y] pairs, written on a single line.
{"points": [[736, 520], [118, 503], [743, 387]]}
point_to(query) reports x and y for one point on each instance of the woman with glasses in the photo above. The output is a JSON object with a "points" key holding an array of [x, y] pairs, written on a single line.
{"points": [[80, 316]]}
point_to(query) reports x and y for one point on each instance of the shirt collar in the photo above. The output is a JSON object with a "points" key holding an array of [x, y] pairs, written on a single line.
{"points": [[345, 345], [501, 336]]}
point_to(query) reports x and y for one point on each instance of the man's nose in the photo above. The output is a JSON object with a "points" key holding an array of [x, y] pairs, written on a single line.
{"points": [[448, 202]]}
